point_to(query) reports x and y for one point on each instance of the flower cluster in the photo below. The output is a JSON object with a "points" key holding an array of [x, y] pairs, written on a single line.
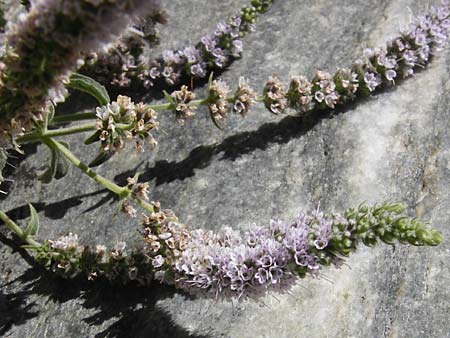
{"points": [[166, 239], [230, 265], [214, 51], [275, 95], [380, 67], [219, 101], [181, 103], [218, 91], [244, 98], [139, 189], [121, 120], [45, 46]]}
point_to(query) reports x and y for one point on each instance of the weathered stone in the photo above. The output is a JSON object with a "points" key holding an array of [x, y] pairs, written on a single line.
{"points": [[393, 146]]}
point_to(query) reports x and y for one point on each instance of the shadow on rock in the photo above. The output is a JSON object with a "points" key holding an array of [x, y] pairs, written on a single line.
{"points": [[134, 309], [232, 147], [14, 160]]}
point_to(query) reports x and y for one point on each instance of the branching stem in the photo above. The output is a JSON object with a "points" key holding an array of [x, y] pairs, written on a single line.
{"points": [[121, 192]]}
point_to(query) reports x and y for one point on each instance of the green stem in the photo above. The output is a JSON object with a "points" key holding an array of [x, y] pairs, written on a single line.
{"points": [[17, 230], [73, 117], [165, 106], [122, 192], [37, 136], [91, 116]]}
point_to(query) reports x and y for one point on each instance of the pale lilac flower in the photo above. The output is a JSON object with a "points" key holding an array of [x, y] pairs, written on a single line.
{"points": [[319, 96], [198, 69], [192, 54], [209, 42], [391, 74], [158, 261], [69, 242], [228, 264], [238, 46], [372, 81]]}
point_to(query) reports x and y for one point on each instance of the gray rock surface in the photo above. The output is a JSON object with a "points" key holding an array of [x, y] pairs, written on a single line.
{"points": [[394, 146]]}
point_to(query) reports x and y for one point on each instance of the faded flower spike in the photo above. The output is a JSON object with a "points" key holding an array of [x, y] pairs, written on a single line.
{"points": [[45, 47], [123, 56]]}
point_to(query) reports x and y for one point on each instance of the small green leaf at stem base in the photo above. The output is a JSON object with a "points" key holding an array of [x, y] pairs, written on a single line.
{"points": [[32, 227]]}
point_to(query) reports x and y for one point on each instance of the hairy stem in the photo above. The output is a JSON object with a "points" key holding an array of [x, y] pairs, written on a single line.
{"points": [[122, 192], [73, 117], [37, 135], [17, 230]]}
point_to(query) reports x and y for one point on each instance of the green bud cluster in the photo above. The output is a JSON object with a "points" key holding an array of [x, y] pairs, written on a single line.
{"points": [[250, 13], [386, 222]]}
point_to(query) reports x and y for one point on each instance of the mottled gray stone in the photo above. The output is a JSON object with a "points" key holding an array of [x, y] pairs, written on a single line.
{"points": [[394, 146]]}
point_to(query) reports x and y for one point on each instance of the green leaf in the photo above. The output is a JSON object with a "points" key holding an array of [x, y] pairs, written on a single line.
{"points": [[170, 99], [101, 158], [210, 79], [57, 168], [216, 121], [33, 225], [51, 112], [90, 86], [62, 166], [93, 138]]}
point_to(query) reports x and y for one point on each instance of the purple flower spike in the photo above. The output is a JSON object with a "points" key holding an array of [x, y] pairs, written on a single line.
{"points": [[228, 264]]}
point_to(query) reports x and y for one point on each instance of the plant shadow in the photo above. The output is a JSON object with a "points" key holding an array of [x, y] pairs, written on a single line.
{"points": [[132, 309]]}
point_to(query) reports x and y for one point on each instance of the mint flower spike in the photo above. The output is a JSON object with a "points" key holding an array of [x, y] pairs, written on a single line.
{"points": [[231, 264], [46, 46], [379, 68], [214, 51]]}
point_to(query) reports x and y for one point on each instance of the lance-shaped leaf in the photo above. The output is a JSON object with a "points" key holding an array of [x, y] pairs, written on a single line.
{"points": [[33, 225], [90, 86], [93, 138], [101, 158], [57, 168]]}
